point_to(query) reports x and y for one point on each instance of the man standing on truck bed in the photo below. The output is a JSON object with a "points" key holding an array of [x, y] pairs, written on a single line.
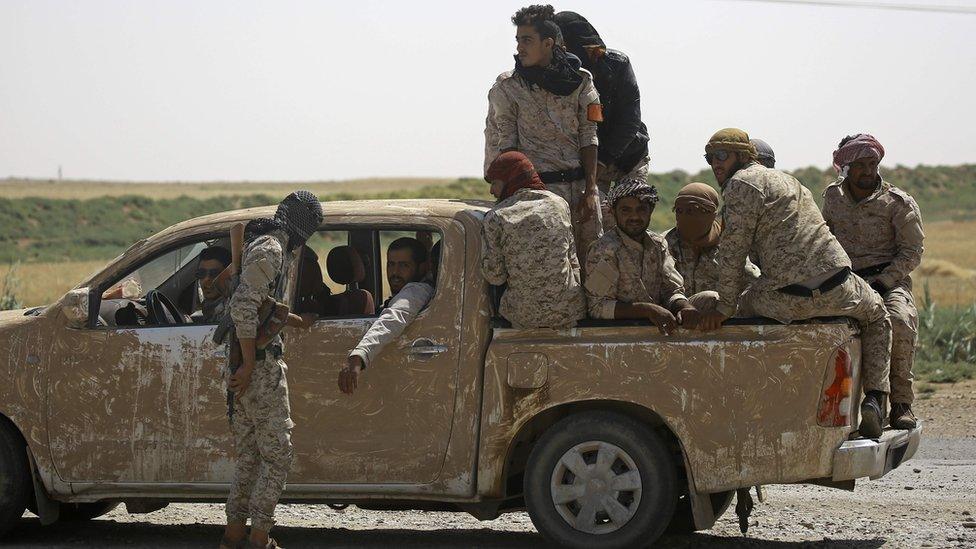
{"points": [[623, 153], [694, 241], [805, 271], [629, 272], [548, 109], [412, 290], [261, 423], [527, 241], [880, 227]]}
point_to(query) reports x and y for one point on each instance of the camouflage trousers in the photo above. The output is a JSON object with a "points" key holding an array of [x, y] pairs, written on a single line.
{"points": [[613, 174], [904, 336], [704, 301], [262, 440], [854, 298], [584, 232]]}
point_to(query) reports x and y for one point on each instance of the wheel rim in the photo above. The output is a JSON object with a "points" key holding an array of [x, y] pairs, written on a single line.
{"points": [[596, 487]]}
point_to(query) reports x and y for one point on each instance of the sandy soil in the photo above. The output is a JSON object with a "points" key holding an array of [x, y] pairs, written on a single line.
{"points": [[927, 502]]}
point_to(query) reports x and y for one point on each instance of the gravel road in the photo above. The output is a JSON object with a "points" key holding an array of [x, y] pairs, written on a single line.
{"points": [[928, 502]]}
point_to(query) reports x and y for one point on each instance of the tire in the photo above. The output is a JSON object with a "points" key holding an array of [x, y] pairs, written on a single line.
{"points": [[630, 473], [79, 512], [15, 482], [683, 522]]}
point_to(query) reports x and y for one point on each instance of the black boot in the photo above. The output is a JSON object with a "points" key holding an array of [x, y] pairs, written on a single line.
{"points": [[902, 417], [872, 412]]}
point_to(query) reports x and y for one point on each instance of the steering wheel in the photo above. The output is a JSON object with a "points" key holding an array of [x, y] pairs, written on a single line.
{"points": [[162, 311]]}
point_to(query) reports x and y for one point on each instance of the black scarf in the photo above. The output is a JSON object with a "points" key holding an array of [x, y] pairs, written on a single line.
{"points": [[560, 77], [578, 33]]}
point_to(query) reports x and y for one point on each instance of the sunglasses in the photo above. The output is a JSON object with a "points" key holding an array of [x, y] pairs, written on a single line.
{"points": [[208, 273], [721, 155]]}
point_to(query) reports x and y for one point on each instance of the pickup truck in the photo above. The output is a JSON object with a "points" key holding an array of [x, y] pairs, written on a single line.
{"points": [[608, 433]]}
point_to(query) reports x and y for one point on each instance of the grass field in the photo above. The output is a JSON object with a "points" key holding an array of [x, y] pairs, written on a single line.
{"points": [[81, 190], [949, 269]]}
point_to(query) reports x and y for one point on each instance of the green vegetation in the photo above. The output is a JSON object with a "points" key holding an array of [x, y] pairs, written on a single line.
{"points": [[36, 229], [8, 290], [947, 342]]}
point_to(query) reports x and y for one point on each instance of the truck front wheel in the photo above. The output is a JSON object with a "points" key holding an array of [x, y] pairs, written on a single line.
{"points": [[600, 479], [15, 480]]}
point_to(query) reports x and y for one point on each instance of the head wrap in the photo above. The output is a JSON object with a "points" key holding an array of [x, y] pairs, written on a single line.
{"points": [[300, 214], [855, 147], [764, 152], [731, 139], [560, 77], [632, 187], [697, 223], [579, 35], [516, 170]]}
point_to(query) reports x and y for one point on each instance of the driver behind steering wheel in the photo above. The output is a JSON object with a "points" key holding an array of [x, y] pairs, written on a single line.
{"points": [[211, 262]]}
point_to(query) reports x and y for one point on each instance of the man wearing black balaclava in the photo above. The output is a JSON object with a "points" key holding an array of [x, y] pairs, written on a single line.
{"points": [[547, 108], [623, 153], [261, 422]]}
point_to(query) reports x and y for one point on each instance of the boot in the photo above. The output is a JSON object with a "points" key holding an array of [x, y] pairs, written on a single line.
{"points": [[902, 417], [871, 414]]}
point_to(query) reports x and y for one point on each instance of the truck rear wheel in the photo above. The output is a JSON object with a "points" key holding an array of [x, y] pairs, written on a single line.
{"points": [[15, 482], [600, 479]]}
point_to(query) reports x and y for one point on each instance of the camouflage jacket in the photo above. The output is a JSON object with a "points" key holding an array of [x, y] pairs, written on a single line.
{"points": [[263, 274], [548, 128], [700, 273], [528, 244], [618, 268], [771, 217], [885, 227]]}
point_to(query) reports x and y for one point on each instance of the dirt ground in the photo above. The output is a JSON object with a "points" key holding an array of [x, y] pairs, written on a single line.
{"points": [[928, 502]]}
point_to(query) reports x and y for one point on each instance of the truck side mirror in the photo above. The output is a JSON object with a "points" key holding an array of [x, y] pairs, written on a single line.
{"points": [[74, 305]]}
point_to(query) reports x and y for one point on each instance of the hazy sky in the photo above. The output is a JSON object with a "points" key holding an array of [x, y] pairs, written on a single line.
{"points": [[242, 90]]}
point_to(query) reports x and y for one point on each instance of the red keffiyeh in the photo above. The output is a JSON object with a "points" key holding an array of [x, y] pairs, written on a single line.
{"points": [[860, 146], [516, 170]]}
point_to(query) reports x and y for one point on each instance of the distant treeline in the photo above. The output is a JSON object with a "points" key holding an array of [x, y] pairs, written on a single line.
{"points": [[43, 229]]}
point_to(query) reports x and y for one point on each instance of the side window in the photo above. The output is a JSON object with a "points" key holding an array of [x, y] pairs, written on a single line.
{"points": [[177, 286], [347, 273]]}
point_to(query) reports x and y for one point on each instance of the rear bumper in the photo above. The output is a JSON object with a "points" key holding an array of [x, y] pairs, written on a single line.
{"points": [[874, 458]]}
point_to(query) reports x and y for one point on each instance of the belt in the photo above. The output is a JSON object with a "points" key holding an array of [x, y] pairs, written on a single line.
{"points": [[564, 176], [273, 350], [872, 270], [829, 284]]}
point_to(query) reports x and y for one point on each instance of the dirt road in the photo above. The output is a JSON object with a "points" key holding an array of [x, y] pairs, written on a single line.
{"points": [[928, 502]]}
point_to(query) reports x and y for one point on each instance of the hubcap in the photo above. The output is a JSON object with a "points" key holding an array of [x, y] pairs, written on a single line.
{"points": [[596, 487]]}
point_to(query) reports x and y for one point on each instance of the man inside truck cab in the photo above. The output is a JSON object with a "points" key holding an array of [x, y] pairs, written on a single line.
{"points": [[412, 289], [211, 262], [629, 271], [805, 271]]}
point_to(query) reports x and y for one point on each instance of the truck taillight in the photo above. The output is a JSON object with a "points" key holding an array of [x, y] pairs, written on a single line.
{"points": [[836, 401]]}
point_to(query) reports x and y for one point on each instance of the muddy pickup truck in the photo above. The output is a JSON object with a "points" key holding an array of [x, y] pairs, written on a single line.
{"points": [[608, 434]]}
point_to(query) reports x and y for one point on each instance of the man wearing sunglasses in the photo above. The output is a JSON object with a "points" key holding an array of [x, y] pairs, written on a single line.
{"points": [[211, 262], [805, 271]]}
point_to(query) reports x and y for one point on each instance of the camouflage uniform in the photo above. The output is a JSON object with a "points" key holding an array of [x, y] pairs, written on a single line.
{"points": [[700, 272], [618, 268], [885, 227], [213, 309], [528, 243], [262, 415], [550, 130], [771, 217]]}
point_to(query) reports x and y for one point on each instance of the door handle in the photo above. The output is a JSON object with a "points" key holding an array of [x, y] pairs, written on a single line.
{"points": [[426, 348]]}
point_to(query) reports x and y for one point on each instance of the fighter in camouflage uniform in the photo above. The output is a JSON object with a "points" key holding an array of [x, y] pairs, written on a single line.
{"points": [[694, 243], [548, 110], [769, 215], [629, 272], [261, 423], [528, 244], [880, 227]]}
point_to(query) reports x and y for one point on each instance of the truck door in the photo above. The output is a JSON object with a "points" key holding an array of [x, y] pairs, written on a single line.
{"points": [[396, 427]]}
